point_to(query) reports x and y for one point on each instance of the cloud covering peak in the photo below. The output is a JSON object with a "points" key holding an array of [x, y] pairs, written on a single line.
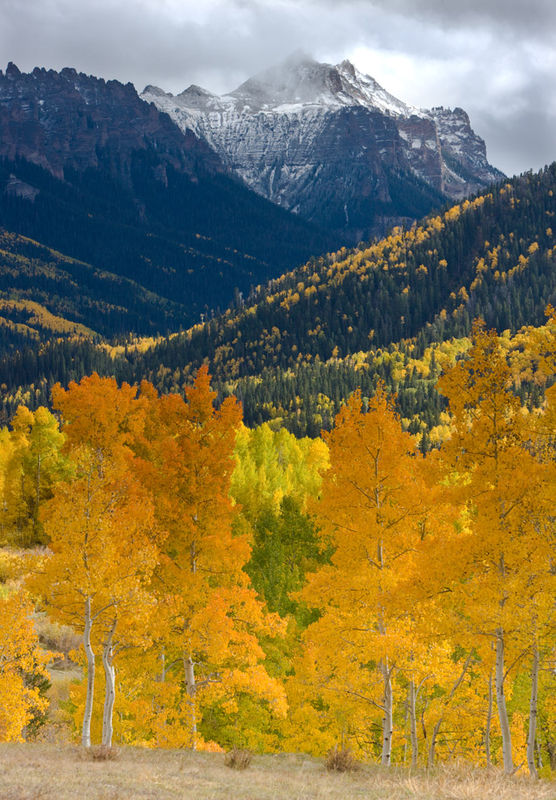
{"points": [[493, 58]]}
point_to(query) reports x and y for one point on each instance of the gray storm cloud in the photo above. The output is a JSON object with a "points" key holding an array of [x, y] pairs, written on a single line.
{"points": [[496, 58]]}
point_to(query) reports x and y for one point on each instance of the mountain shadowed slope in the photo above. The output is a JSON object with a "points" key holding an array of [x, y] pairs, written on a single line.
{"points": [[46, 294], [89, 169]]}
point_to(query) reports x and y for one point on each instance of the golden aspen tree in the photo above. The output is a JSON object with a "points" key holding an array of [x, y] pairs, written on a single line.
{"points": [[101, 532], [369, 510], [209, 615], [542, 593], [42, 462], [19, 654], [11, 469], [503, 561]]}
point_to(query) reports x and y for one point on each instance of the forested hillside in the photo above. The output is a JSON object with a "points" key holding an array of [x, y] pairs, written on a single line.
{"points": [[46, 294], [389, 310], [492, 256], [176, 249]]}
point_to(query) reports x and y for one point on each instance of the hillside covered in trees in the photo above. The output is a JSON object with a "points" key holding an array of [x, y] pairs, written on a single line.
{"points": [[390, 310], [148, 256]]}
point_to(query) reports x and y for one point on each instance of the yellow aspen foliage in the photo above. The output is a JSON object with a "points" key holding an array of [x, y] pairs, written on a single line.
{"points": [[19, 655], [103, 543], [504, 562], [271, 465], [369, 511], [30, 462]]}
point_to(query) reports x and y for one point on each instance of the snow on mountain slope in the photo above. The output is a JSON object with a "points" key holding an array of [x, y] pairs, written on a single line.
{"points": [[329, 143]]}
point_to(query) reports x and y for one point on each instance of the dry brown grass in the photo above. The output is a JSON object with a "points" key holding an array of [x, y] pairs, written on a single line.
{"points": [[46, 772], [55, 637]]}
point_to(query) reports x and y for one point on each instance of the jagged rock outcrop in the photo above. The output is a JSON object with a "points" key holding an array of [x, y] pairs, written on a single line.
{"points": [[68, 119], [465, 166], [330, 144]]}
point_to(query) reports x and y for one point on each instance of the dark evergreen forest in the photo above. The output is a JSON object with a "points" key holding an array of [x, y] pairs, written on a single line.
{"points": [[297, 346]]}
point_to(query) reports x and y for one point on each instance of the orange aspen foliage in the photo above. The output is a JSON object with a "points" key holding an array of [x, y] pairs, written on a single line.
{"points": [[370, 508], [209, 615]]}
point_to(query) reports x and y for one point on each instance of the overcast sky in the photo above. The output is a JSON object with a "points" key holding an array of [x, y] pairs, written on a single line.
{"points": [[495, 58]]}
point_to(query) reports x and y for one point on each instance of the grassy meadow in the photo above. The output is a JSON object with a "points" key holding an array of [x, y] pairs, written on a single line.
{"points": [[54, 772]]}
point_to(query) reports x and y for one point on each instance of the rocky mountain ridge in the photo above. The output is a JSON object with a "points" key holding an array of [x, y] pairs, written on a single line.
{"points": [[330, 144], [91, 171], [68, 119]]}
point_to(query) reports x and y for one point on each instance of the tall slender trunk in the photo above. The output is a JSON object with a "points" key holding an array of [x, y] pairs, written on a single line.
{"points": [[488, 722], [189, 668], [110, 687], [532, 735], [388, 719], [413, 724], [86, 732], [501, 704], [405, 721], [539, 753], [451, 693], [432, 746]]}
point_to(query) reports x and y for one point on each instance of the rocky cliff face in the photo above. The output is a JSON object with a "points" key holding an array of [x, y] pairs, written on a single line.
{"points": [[68, 119], [464, 159], [332, 145]]}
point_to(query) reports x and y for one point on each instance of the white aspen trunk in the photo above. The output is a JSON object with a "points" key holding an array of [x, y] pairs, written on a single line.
{"points": [[86, 732], [37, 495], [405, 721], [413, 724], [432, 748], [539, 754], [388, 719], [501, 704], [189, 668], [110, 689], [163, 671], [532, 735], [488, 722]]}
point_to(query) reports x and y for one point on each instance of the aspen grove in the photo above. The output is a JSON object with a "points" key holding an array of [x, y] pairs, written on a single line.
{"points": [[241, 587]]}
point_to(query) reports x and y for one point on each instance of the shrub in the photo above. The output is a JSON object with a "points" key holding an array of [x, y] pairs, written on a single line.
{"points": [[341, 759], [100, 753], [11, 565], [55, 637], [238, 758]]}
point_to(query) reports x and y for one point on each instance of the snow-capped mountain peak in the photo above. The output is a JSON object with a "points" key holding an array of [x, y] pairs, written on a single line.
{"points": [[327, 141], [156, 91], [300, 82]]}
